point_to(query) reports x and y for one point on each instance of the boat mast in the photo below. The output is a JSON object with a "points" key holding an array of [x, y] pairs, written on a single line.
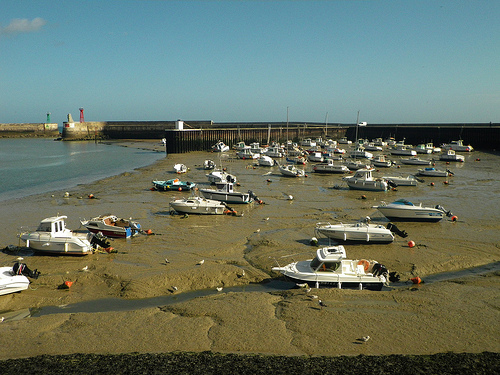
{"points": [[326, 124]]}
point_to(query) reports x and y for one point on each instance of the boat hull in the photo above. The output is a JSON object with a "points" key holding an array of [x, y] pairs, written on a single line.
{"points": [[351, 233], [368, 185], [422, 214], [12, 283], [353, 284], [74, 245], [186, 207]]}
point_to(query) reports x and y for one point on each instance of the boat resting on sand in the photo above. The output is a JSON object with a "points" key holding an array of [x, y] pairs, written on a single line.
{"points": [[173, 184], [433, 172], [361, 231], [112, 226], [330, 167], [404, 210], [363, 180], [199, 206], [225, 192], [291, 170], [52, 237], [331, 268], [13, 280]]}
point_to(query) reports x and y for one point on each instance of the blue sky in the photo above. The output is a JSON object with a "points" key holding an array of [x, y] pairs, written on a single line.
{"points": [[394, 61]]}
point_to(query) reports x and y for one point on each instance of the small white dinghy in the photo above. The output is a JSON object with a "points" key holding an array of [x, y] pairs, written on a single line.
{"points": [[13, 279], [331, 268], [180, 168]]}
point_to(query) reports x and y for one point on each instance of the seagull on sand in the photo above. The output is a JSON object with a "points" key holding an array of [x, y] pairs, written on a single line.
{"points": [[219, 289], [322, 304], [174, 288], [201, 262], [288, 196], [86, 268], [365, 338], [167, 261], [304, 285]]}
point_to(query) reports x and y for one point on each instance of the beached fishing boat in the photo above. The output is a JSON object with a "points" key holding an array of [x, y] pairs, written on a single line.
{"points": [[458, 146], [208, 164], [330, 167], [265, 161], [224, 192], [363, 180], [218, 175], [354, 165], [415, 161], [291, 170], [404, 210], [433, 172], [316, 157], [112, 226], [361, 153], [362, 231], [53, 237], [180, 168], [403, 150], [451, 155], [247, 153], [173, 184], [402, 180], [199, 206], [13, 281], [331, 268], [274, 152], [220, 147], [382, 161]]}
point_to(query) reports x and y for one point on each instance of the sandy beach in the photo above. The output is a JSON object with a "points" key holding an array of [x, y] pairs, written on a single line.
{"points": [[459, 315]]}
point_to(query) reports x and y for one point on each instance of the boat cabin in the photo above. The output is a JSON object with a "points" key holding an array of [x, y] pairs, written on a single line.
{"points": [[54, 225], [328, 259], [226, 187]]}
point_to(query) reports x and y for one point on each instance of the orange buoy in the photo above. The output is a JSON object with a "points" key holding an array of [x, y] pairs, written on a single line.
{"points": [[478, 159], [91, 196], [108, 249], [68, 283], [454, 218], [411, 243], [364, 263], [416, 280], [432, 183], [445, 182], [268, 180], [180, 189], [363, 196], [149, 231]]}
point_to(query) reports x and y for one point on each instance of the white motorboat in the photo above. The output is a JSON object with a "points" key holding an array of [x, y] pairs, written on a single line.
{"points": [[316, 157], [402, 181], [291, 170], [370, 146], [458, 146], [199, 206], [220, 147], [265, 161], [330, 167], [404, 210], [361, 153], [112, 226], [208, 164], [308, 142], [256, 148], [180, 168], [363, 180], [451, 155], [247, 154], [362, 231], [218, 175], [240, 146], [382, 161], [331, 268], [53, 237], [297, 159], [224, 192], [344, 141], [274, 152], [433, 172], [379, 142], [354, 165], [434, 150], [12, 282], [403, 150], [415, 161], [422, 149]]}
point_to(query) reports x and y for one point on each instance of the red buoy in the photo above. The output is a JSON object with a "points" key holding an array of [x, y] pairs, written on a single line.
{"points": [[68, 283], [416, 280], [432, 183], [454, 218], [411, 243]]}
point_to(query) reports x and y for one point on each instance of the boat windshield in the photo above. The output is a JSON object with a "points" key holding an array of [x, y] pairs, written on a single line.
{"points": [[403, 201], [44, 227], [319, 266]]}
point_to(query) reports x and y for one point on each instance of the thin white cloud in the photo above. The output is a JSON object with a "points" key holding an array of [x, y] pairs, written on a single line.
{"points": [[23, 25]]}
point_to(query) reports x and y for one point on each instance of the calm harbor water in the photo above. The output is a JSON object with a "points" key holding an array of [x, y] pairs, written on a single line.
{"points": [[33, 166]]}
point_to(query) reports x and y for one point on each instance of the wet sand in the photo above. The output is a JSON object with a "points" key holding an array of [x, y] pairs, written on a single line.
{"points": [[452, 316]]}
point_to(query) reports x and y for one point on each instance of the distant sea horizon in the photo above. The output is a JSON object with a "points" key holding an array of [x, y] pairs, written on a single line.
{"points": [[31, 166]]}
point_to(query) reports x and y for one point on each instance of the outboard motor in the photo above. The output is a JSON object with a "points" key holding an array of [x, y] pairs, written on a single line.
{"points": [[394, 277], [394, 229], [450, 172], [379, 270], [22, 269], [392, 184], [254, 197], [98, 239]]}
